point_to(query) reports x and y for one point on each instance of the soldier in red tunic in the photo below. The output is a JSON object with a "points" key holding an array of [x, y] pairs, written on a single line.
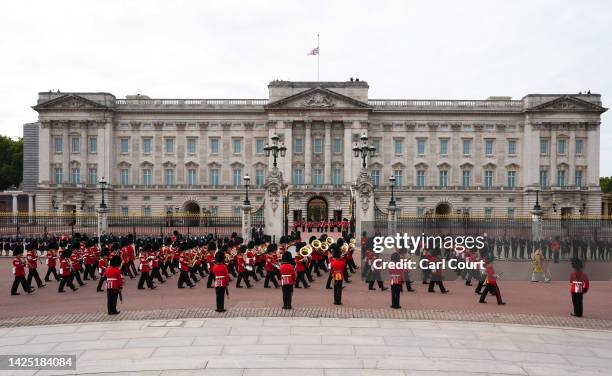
{"points": [[242, 271], [32, 258], [66, 271], [156, 259], [337, 270], [300, 267], [395, 280], [114, 284], [89, 260], [221, 274], [184, 267], [579, 285], [19, 271], [436, 272], [145, 268], [287, 273], [270, 269], [102, 265], [76, 263], [51, 262], [491, 283]]}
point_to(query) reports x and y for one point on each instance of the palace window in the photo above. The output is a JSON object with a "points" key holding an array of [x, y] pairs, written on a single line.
{"points": [[398, 178], [337, 176], [298, 176], [125, 176], [125, 211], [298, 146], [444, 178], [146, 211], [466, 177], [146, 176], [512, 147], [214, 146], [214, 177], [237, 145], [125, 145], [579, 146], [561, 178], [93, 145], [191, 145], [543, 178], [169, 143], [337, 148], [259, 146], [420, 178], [93, 175], [146, 146], [318, 145], [169, 176], [421, 148], [376, 178], [511, 179], [59, 175], [544, 146], [376, 146], [75, 145], [467, 146], [488, 147], [237, 211], [259, 177], [318, 176], [444, 147], [398, 145], [511, 213], [75, 175], [488, 212], [420, 211], [237, 177], [578, 179], [561, 143], [192, 176], [488, 178], [59, 145]]}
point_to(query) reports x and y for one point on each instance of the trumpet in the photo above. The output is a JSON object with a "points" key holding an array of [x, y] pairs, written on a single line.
{"points": [[305, 251], [316, 244]]}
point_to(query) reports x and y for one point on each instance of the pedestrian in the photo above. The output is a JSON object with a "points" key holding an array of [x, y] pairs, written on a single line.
{"points": [[114, 284], [221, 274], [579, 285], [288, 277]]}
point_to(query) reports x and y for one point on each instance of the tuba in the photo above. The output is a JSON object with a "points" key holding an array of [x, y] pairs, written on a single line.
{"points": [[305, 251], [329, 240], [324, 247], [316, 244]]}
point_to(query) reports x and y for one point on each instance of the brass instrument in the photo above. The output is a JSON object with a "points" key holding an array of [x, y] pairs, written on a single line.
{"points": [[305, 251], [316, 244], [324, 247], [329, 240], [344, 248]]}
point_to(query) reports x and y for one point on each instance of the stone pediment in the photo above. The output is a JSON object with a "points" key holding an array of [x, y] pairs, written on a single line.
{"points": [[70, 102], [568, 103], [318, 99]]}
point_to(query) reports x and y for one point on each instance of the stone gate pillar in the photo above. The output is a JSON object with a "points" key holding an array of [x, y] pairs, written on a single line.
{"points": [[392, 220], [537, 215], [102, 222], [364, 206], [273, 205], [246, 223]]}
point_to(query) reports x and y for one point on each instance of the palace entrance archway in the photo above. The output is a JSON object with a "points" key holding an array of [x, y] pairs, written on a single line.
{"points": [[443, 208], [317, 209], [192, 211]]}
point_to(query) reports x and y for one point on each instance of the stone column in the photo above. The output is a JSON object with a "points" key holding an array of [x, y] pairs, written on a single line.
{"points": [[328, 154], [246, 222], [288, 140], [392, 220], [45, 145], [102, 221], [15, 208], [274, 201], [364, 206], [67, 149], [107, 159], [307, 153], [347, 144], [30, 204]]}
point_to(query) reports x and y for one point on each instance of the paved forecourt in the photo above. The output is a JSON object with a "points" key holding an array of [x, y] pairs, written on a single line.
{"points": [[314, 346]]}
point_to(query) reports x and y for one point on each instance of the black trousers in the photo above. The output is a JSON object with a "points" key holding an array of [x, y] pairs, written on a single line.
{"points": [[51, 270], [145, 277], [184, 279], [89, 272], [478, 289], [301, 278], [380, 283], [338, 292], [220, 295], [66, 281], [101, 283], [433, 283], [287, 296], [33, 274], [577, 302], [132, 267], [77, 276], [20, 280], [164, 268], [493, 290], [111, 300], [271, 276], [211, 278], [155, 274], [243, 276], [395, 295], [329, 281], [125, 270]]}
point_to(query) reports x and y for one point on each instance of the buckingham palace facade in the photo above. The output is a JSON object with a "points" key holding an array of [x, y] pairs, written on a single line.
{"points": [[482, 157]]}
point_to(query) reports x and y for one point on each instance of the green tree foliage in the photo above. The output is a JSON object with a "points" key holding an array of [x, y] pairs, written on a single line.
{"points": [[606, 184], [11, 162]]}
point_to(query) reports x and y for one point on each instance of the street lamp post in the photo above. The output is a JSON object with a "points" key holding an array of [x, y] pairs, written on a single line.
{"points": [[362, 151], [102, 183], [275, 149], [247, 179], [392, 181]]}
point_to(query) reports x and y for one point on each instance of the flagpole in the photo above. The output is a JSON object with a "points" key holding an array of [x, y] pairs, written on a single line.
{"points": [[318, 53]]}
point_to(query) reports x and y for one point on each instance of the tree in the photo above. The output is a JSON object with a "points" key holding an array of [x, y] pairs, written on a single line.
{"points": [[11, 162], [606, 184]]}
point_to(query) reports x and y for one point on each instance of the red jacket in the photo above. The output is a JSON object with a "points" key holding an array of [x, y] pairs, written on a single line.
{"points": [[51, 258], [32, 257], [65, 269], [287, 274], [144, 264], [240, 261], [102, 266], [18, 267], [221, 275], [395, 276], [114, 279], [491, 280], [579, 282], [337, 269], [300, 265]]}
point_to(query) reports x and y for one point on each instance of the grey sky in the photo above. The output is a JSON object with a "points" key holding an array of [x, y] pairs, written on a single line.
{"points": [[217, 49]]}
